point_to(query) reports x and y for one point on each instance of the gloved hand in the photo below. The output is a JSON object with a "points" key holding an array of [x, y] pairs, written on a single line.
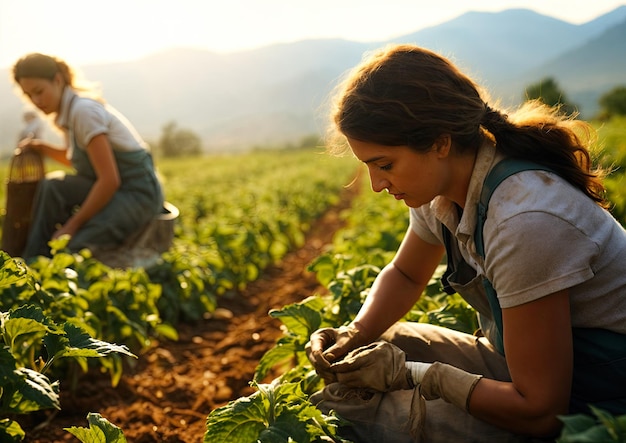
{"points": [[449, 383], [330, 344], [379, 366]]}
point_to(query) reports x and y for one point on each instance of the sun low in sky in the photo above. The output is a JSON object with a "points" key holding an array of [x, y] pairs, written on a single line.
{"points": [[97, 31]]}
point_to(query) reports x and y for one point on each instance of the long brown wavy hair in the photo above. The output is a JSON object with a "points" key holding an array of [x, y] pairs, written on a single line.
{"points": [[404, 95], [37, 65]]}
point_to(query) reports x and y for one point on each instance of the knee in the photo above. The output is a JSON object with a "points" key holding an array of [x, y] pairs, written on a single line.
{"points": [[413, 338]]}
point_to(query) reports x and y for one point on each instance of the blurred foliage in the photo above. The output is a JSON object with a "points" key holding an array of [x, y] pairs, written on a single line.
{"points": [[613, 103], [178, 142], [549, 92], [612, 156]]}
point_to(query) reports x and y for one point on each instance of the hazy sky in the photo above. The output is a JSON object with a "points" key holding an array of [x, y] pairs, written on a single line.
{"points": [[87, 31]]}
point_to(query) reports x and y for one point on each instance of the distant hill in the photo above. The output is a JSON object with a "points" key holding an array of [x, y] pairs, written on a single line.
{"points": [[590, 70], [509, 50], [278, 93]]}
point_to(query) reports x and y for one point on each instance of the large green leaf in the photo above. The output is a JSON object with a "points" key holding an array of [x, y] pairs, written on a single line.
{"points": [[37, 392], [7, 367], [239, 421], [100, 431], [582, 428], [289, 426], [284, 350], [80, 342], [58, 346], [11, 431], [278, 412], [14, 328], [12, 271], [301, 319]]}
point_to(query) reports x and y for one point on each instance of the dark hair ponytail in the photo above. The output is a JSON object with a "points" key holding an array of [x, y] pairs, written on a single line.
{"points": [[539, 133]]}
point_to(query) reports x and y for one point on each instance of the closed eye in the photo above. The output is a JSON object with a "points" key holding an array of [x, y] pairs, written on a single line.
{"points": [[386, 167]]}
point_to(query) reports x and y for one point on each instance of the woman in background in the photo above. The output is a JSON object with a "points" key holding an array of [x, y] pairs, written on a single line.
{"points": [[114, 192], [550, 286]]}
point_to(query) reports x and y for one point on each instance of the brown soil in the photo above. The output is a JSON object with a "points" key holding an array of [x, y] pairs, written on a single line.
{"points": [[167, 396]]}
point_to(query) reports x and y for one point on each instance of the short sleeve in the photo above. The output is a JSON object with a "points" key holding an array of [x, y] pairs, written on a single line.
{"points": [[534, 254], [423, 222], [89, 119]]}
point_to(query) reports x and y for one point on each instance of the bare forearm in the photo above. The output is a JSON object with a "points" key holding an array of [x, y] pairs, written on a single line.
{"points": [[100, 195], [540, 362], [55, 152], [391, 296]]}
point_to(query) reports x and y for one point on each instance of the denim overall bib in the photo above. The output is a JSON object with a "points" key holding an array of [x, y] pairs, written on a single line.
{"points": [[138, 200]]}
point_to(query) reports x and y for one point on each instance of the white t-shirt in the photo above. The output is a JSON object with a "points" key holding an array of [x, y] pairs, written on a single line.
{"points": [[84, 118], [541, 235]]}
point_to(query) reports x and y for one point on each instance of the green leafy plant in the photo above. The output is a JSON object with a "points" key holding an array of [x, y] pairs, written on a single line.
{"points": [[24, 389], [278, 412], [76, 290], [348, 280], [602, 427], [32, 344], [301, 320], [229, 230], [100, 431]]}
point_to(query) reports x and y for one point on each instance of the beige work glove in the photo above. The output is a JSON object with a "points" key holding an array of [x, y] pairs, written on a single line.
{"points": [[379, 366], [449, 383], [330, 344]]}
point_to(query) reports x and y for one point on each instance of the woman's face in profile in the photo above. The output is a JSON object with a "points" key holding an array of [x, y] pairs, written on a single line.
{"points": [[408, 175], [43, 93]]}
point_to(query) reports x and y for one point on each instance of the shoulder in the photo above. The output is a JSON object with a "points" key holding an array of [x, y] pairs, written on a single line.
{"points": [[539, 192], [85, 104], [538, 212], [86, 110], [539, 236]]}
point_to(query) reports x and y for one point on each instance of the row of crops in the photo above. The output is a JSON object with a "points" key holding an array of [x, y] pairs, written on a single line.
{"points": [[238, 215], [62, 315], [280, 411]]}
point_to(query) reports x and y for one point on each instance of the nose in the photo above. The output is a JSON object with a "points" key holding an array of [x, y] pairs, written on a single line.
{"points": [[379, 184], [36, 100]]}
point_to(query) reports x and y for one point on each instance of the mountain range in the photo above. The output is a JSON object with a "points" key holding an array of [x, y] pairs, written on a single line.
{"points": [[278, 93]]}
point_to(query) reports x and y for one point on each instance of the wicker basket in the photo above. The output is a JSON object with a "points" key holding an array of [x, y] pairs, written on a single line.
{"points": [[25, 173]]}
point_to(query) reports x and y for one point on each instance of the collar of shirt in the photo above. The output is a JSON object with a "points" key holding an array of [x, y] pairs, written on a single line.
{"points": [[63, 116], [445, 210]]}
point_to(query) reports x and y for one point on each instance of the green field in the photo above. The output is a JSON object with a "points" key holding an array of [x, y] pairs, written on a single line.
{"points": [[238, 215]]}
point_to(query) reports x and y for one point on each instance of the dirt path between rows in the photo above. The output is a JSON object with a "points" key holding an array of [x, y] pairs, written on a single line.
{"points": [[168, 395]]}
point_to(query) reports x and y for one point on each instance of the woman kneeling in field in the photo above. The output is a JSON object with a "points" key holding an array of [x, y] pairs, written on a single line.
{"points": [[114, 192], [546, 272]]}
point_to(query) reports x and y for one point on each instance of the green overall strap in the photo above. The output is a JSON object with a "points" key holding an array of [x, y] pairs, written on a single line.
{"points": [[501, 171]]}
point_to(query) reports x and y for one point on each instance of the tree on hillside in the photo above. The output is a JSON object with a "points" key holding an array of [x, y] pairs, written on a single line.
{"points": [[178, 142], [613, 102], [549, 92]]}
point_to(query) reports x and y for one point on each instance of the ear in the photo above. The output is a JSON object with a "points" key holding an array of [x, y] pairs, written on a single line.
{"points": [[58, 79], [443, 145]]}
